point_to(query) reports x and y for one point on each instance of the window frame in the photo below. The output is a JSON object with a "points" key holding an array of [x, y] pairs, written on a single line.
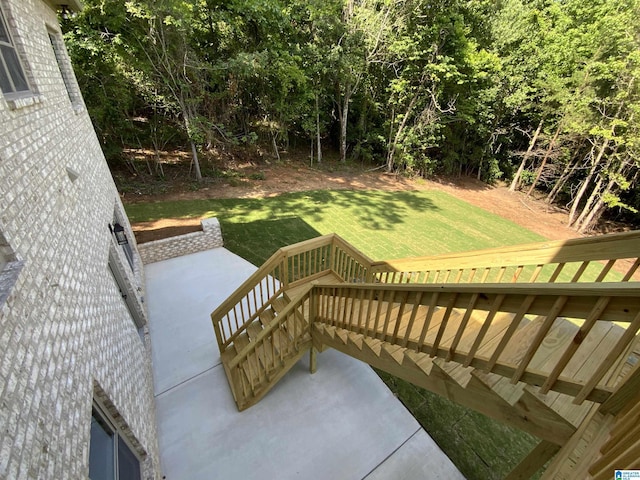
{"points": [[64, 66], [117, 439], [11, 44]]}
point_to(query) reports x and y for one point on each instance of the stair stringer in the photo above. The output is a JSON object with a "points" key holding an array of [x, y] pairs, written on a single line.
{"points": [[528, 414]]}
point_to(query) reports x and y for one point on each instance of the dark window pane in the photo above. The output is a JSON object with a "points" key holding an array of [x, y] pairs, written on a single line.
{"points": [[101, 452], [15, 70], [128, 465], [4, 36], [5, 83]]}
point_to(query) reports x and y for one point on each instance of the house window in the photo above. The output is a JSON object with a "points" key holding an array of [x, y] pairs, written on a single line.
{"points": [[66, 71], [13, 80], [110, 457]]}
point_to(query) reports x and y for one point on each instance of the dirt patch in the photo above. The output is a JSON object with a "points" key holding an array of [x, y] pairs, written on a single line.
{"points": [[269, 180]]}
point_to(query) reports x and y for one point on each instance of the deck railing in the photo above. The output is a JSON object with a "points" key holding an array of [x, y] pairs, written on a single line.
{"points": [[261, 360], [392, 313], [286, 268], [585, 281], [611, 258]]}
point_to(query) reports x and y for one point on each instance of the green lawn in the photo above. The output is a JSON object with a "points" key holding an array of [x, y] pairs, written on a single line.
{"points": [[383, 225]]}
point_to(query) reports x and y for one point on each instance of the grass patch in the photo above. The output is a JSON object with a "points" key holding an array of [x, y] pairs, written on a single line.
{"points": [[383, 225]]}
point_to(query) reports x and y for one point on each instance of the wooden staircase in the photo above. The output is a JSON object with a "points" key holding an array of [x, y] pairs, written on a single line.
{"points": [[536, 336]]}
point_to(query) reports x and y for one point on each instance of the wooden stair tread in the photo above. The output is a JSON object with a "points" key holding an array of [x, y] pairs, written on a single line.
{"points": [[253, 330], [501, 385], [459, 373]]}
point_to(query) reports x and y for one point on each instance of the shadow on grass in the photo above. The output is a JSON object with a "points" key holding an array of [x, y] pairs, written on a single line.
{"points": [[257, 241], [373, 209]]}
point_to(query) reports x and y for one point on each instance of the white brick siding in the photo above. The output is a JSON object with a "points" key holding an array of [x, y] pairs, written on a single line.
{"points": [[65, 332]]}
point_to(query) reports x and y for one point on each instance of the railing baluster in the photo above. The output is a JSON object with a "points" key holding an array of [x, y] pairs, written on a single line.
{"points": [[537, 341], [368, 315], [446, 276], [352, 298], [501, 273], [360, 310], [485, 275], [344, 300], [556, 273], [427, 320], [631, 270], [605, 270], [412, 318], [463, 326], [609, 360], [484, 329], [513, 326], [472, 274], [255, 301], [235, 317], [581, 269], [517, 273], [380, 300], [399, 316], [580, 335], [387, 316], [536, 273], [334, 311], [443, 325]]}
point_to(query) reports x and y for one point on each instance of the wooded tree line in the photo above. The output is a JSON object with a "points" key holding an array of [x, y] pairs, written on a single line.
{"points": [[543, 92]]}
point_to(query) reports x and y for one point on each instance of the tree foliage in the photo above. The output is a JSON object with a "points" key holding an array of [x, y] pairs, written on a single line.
{"points": [[542, 92]]}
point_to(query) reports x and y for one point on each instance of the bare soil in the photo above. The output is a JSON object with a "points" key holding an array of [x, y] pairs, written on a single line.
{"points": [[265, 180]]}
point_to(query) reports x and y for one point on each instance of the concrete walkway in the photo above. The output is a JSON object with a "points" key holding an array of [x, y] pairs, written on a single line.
{"points": [[340, 423]]}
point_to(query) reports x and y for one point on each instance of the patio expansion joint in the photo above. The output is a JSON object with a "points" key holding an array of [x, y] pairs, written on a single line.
{"points": [[177, 385], [392, 453]]}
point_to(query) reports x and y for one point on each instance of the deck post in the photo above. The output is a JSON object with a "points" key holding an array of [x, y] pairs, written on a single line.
{"points": [[313, 360]]}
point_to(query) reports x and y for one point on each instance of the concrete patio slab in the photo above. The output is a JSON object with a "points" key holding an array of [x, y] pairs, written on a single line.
{"points": [[340, 423], [181, 294]]}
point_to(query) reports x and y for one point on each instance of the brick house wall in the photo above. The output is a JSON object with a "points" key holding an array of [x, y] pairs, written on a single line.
{"points": [[67, 335]]}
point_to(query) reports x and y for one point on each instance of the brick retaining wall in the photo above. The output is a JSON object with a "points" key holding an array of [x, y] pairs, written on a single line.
{"points": [[158, 250]]}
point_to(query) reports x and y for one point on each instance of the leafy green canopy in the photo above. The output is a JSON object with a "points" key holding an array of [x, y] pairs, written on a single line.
{"points": [[417, 86]]}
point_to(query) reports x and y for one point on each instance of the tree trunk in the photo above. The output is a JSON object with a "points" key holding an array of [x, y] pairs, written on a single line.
{"points": [[396, 139], [311, 157], [595, 206], [585, 183], [343, 114], [194, 151], [571, 166], [544, 160], [196, 162], [274, 143], [319, 144], [595, 195], [515, 183]]}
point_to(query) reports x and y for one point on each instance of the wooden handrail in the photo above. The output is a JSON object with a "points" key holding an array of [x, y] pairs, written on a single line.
{"points": [[293, 263], [607, 247]]}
